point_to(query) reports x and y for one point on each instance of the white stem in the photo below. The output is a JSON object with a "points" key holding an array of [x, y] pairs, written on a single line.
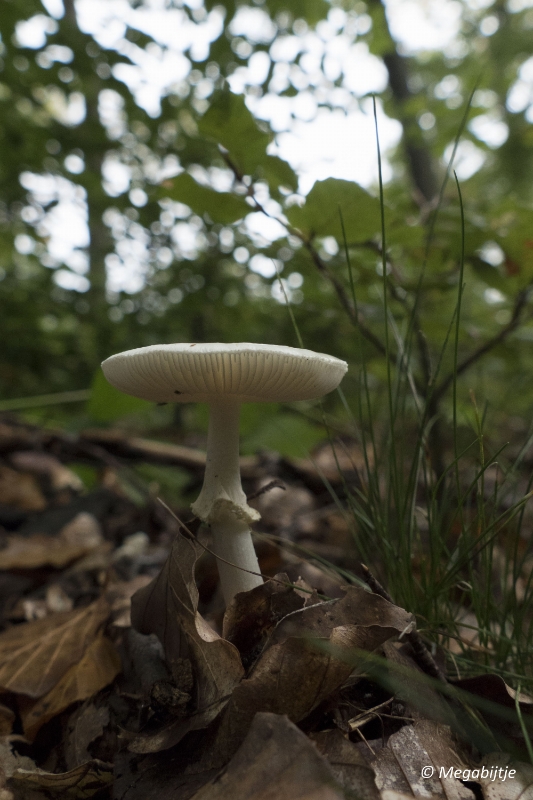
{"points": [[232, 541], [222, 502]]}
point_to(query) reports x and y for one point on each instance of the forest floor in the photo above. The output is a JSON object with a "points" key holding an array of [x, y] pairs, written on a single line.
{"points": [[313, 685]]}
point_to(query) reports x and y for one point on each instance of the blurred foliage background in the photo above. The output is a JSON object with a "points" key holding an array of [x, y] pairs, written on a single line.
{"points": [[169, 194]]}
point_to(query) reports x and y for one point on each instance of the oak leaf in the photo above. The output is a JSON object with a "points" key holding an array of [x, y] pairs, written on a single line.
{"points": [[309, 655], [168, 607], [34, 656], [276, 761], [98, 667]]}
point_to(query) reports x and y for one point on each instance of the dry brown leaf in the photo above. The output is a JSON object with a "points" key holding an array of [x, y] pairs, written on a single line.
{"points": [[98, 667], [119, 596], [83, 782], [85, 725], [168, 607], [276, 761], [20, 490], [34, 656], [309, 655], [38, 463], [80, 536], [7, 717], [357, 607], [519, 787], [158, 776], [399, 766], [347, 764], [252, 616]]}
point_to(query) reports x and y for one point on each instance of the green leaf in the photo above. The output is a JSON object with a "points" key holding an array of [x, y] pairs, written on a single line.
{"points": [[287, 434], [107, 404], [222, 207], [320, 216], [229, 122], [278, 173]]}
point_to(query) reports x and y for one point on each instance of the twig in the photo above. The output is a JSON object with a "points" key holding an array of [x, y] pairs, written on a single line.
{"points": [[315, 256], [341, 294], [519, 305], [275, 484]]}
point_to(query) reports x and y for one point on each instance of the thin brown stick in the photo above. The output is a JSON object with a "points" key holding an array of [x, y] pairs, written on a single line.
{"points": [[275, 484]]}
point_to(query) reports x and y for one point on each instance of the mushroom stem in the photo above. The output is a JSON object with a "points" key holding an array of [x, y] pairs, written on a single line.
{"points": [[232, 541], [222, 502]]}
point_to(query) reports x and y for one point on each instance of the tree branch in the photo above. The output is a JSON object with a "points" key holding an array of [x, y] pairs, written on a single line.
{"points": [[519, 305], [418, 154], [343, 297], [344, 300]]}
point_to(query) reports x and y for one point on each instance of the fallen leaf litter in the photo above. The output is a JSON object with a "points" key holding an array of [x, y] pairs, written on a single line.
{"points": [[274, 699]]}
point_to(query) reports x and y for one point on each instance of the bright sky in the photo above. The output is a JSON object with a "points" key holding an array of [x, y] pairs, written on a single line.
{"points": [[318, 144]]}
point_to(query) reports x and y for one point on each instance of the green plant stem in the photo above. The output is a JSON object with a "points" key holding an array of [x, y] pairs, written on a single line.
{"points": [[525, 731]]}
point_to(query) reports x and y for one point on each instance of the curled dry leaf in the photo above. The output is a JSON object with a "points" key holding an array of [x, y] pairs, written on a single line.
{"points": [[168, 607], [84, 781], [276, 761], [80, 536], [357, 607], [398, 767], [251, 616], [309, 655], [35, 656], [98, 667]]}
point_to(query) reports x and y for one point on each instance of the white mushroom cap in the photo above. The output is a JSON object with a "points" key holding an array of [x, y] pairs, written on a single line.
{"points": [[244, 372]]}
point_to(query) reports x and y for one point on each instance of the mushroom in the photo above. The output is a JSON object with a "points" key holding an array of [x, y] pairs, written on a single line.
{"points": [[224, 376]]}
